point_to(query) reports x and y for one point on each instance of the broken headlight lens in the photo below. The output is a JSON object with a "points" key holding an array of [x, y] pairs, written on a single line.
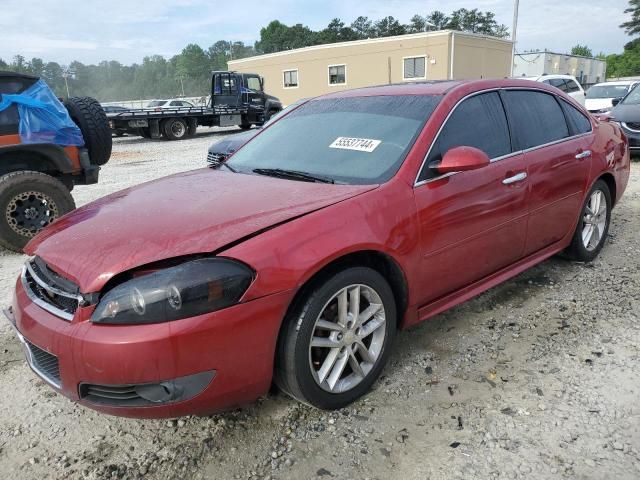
{"points": [[189, 289]]}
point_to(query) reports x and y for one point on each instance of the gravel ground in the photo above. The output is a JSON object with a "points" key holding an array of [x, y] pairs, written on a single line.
{"points": [[537, 378]]}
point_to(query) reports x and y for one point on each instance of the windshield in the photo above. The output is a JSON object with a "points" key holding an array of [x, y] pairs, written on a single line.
{"points": [[608, 91], [360, 140], [633, 98]]}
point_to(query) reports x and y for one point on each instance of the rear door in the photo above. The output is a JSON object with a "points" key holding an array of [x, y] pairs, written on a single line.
{"points": [[471, 223], [556, 139], [226, 90]]}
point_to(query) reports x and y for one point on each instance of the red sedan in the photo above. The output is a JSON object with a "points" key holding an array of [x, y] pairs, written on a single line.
{"points": [[353, 215]]}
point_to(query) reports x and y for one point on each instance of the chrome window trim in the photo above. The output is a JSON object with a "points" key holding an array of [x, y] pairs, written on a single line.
{"points": [[35, 299], [417, 183]]}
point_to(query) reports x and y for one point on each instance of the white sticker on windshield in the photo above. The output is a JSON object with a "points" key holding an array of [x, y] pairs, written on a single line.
{"points": [[360, 144]]}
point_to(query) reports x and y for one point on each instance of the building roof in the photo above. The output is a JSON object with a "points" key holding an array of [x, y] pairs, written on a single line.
{"points": [[367, 41]]}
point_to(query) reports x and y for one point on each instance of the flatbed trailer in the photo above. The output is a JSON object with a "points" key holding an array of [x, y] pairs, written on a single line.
{"points": [[236, 99]]}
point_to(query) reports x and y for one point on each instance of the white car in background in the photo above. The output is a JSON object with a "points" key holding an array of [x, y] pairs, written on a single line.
{"points": [[567, 83], [159, 104], [600, 96]]}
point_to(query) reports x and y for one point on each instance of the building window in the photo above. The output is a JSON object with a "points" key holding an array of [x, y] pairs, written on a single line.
{"points": [[414, 68], [337, 74], [290, 78]]}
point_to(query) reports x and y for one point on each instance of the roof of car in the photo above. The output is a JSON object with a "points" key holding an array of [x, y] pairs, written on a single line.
{"points": [[538, 78], [617, 82], [438, 87]]}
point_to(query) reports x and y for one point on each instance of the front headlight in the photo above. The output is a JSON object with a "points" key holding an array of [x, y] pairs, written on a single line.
{"points": [[189, 289]]}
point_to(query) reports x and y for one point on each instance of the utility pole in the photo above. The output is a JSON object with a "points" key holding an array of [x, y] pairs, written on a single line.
{"points": [[66, 74], [181, 84], [513, 34]]}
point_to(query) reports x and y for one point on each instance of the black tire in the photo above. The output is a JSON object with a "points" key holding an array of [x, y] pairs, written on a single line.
{"points": [[87, 113], [245, 126], [577, 250], [293, 373], [22, 210], [144, 132], [175, 129], [192, 128]]}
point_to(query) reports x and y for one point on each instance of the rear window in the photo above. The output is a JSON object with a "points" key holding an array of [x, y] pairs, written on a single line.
{"points": [[537, 118], [361, 140]]}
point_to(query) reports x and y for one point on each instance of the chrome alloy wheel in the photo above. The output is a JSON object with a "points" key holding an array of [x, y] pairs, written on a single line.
{"points": [[347, 339], [594, 220]]}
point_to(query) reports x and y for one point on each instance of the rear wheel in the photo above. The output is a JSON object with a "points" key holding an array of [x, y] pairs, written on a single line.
{"points": [[593, 224], [335, 343], [175, 129], [29, 201]]}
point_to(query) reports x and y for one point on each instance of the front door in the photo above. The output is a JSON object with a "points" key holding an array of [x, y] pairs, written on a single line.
{"points": [[472, 223]]}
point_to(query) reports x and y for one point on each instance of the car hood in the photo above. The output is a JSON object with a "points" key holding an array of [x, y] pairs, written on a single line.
{"points": [[626, 113], [194, 212], [233, 142]]}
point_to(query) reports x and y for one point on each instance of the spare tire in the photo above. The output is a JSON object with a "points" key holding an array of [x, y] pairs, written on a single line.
{"points": [[88, 114]]}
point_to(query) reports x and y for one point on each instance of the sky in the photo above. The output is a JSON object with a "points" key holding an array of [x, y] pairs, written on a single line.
{"points": [[128, 30]]}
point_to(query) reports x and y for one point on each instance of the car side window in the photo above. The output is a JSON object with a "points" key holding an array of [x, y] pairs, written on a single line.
{"points": [[560, 83], [175, 104], [578, 122], [536, 118], [572, 86], [480, 122]]}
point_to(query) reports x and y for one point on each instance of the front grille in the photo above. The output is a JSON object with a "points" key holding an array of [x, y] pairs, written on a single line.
{"points": [[44, 363], [113, 395], [632, 126], [50, 291], [215, 159]]}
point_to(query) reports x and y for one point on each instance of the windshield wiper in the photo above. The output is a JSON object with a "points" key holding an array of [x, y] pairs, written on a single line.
{"points": [[292, 175]]}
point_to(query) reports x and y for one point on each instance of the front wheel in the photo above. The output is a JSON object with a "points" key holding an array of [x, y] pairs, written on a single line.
{"points": [[593, 224], [29, 201], [335, 343]]}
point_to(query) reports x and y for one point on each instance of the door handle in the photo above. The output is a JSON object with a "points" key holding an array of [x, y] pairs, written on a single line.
{"points": [[518, 177], [584, 154]]}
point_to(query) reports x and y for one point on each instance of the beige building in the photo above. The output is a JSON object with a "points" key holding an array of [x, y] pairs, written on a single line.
{"points": [[311, 71]]}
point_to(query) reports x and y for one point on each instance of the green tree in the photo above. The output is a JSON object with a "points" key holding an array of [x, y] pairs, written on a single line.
{"points": [[388, 27], [277, 37], [632, 27], [581, 50], [418, 23], [336, 31], [363, 28], [438, 19]]}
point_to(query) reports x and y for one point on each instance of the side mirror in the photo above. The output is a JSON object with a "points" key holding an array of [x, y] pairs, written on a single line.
{"points": [[460, 159], [616, 101]]}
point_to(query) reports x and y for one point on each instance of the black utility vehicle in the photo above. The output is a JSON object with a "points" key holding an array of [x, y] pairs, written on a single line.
{"points": [[46, 148], [236, 99]]}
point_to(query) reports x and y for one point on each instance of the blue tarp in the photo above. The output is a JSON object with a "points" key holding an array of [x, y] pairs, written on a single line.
{"points": [[43, 118]]}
